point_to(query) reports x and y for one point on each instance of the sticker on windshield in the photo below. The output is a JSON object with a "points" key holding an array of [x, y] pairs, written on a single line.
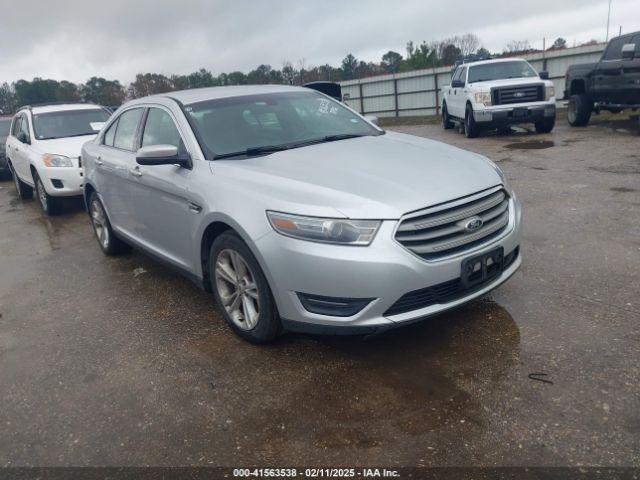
{"points": [[325, 107], [96, 126]]}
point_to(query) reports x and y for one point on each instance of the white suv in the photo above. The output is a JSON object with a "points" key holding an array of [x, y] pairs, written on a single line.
{"points": [[43, 150], [496, 94]]}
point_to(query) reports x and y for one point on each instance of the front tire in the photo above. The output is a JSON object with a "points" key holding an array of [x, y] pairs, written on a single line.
{"points": [[447, 124], [545, 125], [50, 205], [242, 291], [579, 110], [24, 191], [471, 129], [109, 243]]}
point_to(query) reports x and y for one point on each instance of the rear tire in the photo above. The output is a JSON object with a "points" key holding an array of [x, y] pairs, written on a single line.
{"points": [[241, 290], [109, 243], [447, 124], [25, 192], [471, 129], [50, 205], [545, 125], [579, 110]]}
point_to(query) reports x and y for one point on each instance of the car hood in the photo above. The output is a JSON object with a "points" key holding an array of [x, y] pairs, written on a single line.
{"points": [[69, 147], [380, 177], [509, 82]]}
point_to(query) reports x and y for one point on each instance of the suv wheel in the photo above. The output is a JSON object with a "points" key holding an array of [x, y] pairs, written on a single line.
{"points": [[242, 291], [25, 192], [447, 124], [579, 110], [545, 125], [470, 125], [50, 205], [108, 241]]}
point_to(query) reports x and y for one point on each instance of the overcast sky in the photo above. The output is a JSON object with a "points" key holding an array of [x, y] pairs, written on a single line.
{"points": [[76, 39]]}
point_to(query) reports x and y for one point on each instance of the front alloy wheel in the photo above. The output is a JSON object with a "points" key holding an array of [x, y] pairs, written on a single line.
{"points": [[237, 289], [50, 205]]}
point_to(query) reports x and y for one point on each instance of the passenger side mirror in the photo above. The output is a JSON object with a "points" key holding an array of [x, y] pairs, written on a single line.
{"points": [[544, 75], [372, 118], [628, 51], [162, 155], [22, 137], [457, 84]]}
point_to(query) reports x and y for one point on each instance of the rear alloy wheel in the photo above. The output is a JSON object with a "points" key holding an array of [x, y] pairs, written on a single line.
{"points": [[470, 125], [50, 205], [241, 290], [109, 243], [579, 110], [25, 192], [447, 124]]}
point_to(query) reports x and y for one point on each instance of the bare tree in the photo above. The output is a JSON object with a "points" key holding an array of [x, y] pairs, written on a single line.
{"points": [[467, 43], [518, 46]]}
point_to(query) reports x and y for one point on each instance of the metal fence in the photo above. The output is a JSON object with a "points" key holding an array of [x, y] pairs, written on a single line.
{"points": [[417, 93]]}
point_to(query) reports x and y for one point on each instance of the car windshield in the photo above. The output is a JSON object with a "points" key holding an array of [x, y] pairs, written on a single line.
{"points": [[258, 124], [500, 70], [68, 123], [5, 126]]}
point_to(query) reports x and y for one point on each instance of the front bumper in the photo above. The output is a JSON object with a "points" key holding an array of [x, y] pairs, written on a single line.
{"points": [[62, 181], [514, 114], [384, 271]]}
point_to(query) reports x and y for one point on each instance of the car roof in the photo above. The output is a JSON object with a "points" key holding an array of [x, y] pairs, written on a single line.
{"points": [[63, 107], [494, 60], [196, 95]]}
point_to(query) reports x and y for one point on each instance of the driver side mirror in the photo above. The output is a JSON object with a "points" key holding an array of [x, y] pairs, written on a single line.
{"points": [[23, 138], [162, 155], [457, 84], [628, 51], [544, 75]]}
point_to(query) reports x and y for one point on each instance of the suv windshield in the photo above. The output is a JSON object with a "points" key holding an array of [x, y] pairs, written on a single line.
{"points": [[500, 70], [264, 123], [5, 126], [68, 123]]}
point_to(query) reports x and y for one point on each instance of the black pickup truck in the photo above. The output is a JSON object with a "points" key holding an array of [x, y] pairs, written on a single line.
{"points": [[612, 84]]}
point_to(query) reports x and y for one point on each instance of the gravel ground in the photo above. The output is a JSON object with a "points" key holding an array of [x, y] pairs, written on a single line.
{"points": [[118, 361]]}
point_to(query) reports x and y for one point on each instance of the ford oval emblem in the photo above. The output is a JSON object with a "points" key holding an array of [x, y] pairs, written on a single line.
{"points": [[472, 224], [518, 94]]}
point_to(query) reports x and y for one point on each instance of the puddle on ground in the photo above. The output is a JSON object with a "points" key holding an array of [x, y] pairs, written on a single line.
{"points": [[337, 392], [530, 145], [623, 189]]}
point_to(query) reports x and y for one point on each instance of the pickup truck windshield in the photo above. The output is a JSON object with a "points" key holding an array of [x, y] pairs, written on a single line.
{"points": [[500, 70], [265, 123], [68, 123]]}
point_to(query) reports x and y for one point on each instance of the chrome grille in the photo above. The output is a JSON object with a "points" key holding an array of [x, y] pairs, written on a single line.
{"points": [[440, 231], [521, 94]]}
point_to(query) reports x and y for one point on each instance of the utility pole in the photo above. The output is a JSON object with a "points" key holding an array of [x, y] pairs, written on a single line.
{"points": [[608, 18]]}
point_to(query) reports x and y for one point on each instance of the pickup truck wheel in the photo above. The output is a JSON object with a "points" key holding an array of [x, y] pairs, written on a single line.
{"points": [[109, 243], [447, 124], [25, 192], [470, 125], [242, 291], [579, 110], [545, 125], [50, 205]]}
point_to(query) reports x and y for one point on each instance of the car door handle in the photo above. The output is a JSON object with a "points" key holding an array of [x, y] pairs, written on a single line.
{"points": [[99, 162], [194, 207], [136, 172]]}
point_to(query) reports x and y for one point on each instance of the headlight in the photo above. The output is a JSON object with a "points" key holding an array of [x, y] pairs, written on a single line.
{"points": [[549, 92], [484, 98], [51, 160], [328, 230]]}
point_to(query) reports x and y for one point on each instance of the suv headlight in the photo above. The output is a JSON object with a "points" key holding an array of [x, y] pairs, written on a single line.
{"points": [[52, 160], [341, 231], [484, 98], [549, 92]]}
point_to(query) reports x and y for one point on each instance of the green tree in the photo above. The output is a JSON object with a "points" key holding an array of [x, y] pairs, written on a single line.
{"points": [[149, 84], [349, 66], [559, 44], [391, 61], [67, 92], [7, 99], [102, 91], [37, 91]]}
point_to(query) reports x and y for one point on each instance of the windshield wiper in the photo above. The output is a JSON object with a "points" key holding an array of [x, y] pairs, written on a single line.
{"points": [[252, 151]]}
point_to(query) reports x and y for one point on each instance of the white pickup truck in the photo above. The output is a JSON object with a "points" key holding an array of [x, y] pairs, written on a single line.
{"points": [[496, 94]]}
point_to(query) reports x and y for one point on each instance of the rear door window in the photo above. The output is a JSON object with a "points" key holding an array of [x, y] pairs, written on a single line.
{"points": [[127, 129], [110, 135]]}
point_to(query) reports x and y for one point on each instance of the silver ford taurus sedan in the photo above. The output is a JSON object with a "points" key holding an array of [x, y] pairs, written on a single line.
{"points": [[298, 213]]}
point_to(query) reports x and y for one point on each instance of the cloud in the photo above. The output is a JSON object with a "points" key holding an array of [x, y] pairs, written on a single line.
{"points": [[72, 39]]}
